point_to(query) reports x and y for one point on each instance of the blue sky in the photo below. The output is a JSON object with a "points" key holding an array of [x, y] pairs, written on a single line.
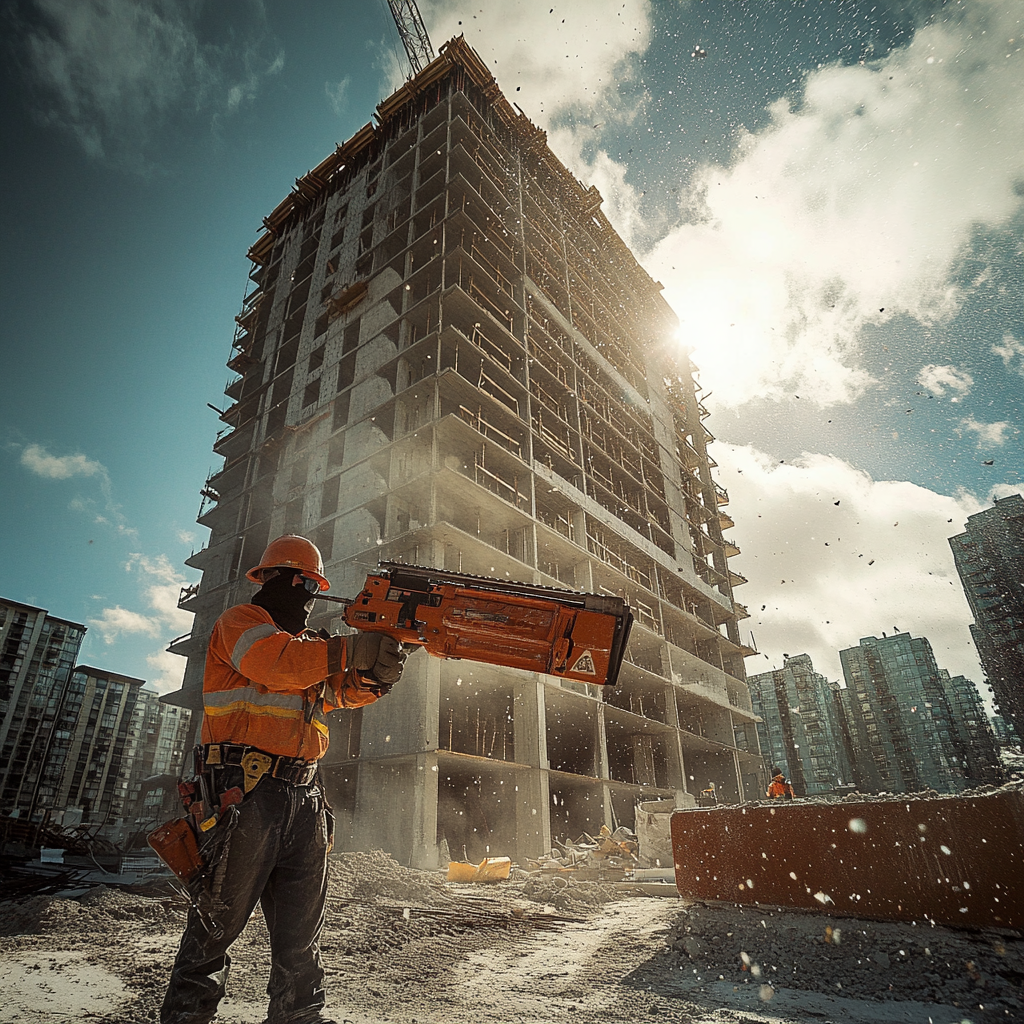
{"points": [[831, 194]]}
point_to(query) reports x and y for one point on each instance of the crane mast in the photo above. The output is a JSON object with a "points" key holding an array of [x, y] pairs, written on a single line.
{"points": [[413, 33]]}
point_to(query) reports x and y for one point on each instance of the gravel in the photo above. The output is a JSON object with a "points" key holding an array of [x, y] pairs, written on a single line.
{"points": [[979, 972]]}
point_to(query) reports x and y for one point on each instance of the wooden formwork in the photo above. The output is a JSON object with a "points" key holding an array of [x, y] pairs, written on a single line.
{"points": [[955, 861]]}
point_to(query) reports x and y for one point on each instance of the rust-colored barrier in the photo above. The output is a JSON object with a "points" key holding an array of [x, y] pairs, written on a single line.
{"points": [[957, 861]]}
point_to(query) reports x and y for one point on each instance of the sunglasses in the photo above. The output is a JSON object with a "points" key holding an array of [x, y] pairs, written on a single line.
{"points": [[311, 586]]}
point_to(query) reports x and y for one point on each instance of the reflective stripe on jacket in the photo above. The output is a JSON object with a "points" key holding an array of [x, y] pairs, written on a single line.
{"points": [[262, 686]]}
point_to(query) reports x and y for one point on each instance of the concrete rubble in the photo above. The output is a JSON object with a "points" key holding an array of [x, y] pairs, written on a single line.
{"points": [[603, 857]]}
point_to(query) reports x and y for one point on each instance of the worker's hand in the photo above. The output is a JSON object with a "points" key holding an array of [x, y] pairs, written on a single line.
{"points": [[387, 669], [378, 655]]}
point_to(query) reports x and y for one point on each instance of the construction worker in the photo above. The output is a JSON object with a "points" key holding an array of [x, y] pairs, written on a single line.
{"points": [[267, 687], [708, 796], [780, 786]]}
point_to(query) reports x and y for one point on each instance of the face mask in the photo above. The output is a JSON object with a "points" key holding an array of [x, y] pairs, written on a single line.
{"points": [[286, 595]]}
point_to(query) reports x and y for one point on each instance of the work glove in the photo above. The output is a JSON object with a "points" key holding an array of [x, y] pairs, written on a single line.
{"points": [[377, 655]]}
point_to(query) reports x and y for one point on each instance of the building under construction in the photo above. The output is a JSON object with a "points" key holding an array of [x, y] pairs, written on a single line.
{"points": [[449, 358]]}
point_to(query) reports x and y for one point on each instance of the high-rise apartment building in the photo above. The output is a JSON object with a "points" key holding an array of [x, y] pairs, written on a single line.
{"points": [[1003, 731], [989, 557], [37, 652], [450, 358], [87, 766], [159, 737], [900, 724], [977, 741], [800, 730]]}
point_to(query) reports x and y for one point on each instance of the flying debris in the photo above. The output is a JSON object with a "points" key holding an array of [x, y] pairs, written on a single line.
{"points": [[699, 52], [988, 462]]}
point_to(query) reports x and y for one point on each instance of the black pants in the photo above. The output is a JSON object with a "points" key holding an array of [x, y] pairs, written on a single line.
{"points": [[276, 854]]}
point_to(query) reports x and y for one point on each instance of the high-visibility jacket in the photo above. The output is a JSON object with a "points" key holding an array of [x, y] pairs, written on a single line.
{"points": [[268, 689], [780, 787]]}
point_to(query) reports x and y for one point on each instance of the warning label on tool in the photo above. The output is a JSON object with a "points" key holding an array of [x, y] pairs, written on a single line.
{"points": [[584, 664]]}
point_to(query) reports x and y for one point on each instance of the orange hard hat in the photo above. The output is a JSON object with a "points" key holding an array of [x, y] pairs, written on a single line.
{"points": [[294, 552]]}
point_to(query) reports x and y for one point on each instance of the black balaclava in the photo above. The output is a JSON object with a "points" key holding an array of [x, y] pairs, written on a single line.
{"points": [[289, 606]]}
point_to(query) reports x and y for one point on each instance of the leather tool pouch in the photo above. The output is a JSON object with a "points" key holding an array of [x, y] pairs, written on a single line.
{"points": [[175, 844]]}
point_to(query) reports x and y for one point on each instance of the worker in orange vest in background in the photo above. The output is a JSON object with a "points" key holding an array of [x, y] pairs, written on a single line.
{"points": [[265, 828], [780, 786]]}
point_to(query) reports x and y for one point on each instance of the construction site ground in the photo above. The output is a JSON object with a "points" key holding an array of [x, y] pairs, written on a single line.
{"points": [[407, 947]]}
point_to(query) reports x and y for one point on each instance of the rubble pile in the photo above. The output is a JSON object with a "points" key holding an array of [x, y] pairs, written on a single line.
{"points": [[569, 895], [379, 914], [99, 913], [377, 874], [852, 958], [609, 854]]}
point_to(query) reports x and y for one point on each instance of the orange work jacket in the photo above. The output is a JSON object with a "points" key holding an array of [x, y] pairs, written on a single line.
{"points": [[780, 787], [268, 689]]}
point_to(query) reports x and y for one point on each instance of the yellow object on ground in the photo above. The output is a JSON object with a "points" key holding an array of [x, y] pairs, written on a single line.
{"points": [[490, 869]]}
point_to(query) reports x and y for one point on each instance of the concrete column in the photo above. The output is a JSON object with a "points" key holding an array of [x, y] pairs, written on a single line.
{"points": [[533, 818], [533, 798], [610, 817], [643, 759], [739, 777], [602, 745], [405, 721], [424, 813], [530, 723]]}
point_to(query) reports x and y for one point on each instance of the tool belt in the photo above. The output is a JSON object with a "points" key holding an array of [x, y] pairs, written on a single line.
{"points": [[257, 763]]}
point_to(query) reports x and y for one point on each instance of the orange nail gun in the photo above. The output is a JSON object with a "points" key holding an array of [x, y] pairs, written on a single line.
{"points": [[518, 625]]}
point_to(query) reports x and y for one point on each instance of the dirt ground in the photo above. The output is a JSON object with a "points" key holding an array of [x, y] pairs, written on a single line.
{"points": [[407, 947]]}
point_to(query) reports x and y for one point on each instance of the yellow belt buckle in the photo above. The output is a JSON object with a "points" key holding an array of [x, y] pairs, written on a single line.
{"points": [[254, 766]]}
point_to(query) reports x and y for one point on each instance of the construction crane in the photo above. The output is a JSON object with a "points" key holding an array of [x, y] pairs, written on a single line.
{"points": [[413, 33]]}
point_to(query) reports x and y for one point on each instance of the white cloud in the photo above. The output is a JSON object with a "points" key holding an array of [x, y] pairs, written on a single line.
{"points": [[548, 62], [112, 71], [168, 670], [833, 555], [990, 435], [850, 206], [937, 378], [160, 568], [1004, 491], [117, 621], [1009, 350], [161, 586], [38, 460], [337, 94]]}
